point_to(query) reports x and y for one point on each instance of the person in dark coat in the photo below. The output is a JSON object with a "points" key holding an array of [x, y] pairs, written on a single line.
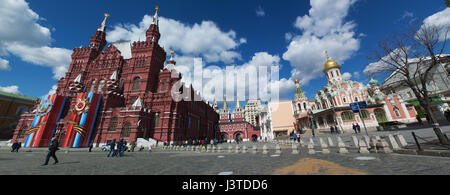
{"points": [[358, 128], [90, 147], [332, 130], [120, 147], [419, 120], [336, 128], [112, 146], [52, 151], [354, 128], [14, 146]]}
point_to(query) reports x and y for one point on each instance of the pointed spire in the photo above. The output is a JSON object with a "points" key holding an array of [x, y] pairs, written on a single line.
{"points": [[78, 79], [225, 104], [328, 57], [103, 25], [171, 62], [155, 17], [137, 104], [114, 76], [238, 104]]}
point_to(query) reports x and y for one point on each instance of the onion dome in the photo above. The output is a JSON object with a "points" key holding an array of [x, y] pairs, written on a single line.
{"points": [[330, 64]]}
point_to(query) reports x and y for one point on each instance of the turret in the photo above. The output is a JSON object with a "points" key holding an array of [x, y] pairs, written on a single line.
{"points": [[98, 41], [152, 33]]}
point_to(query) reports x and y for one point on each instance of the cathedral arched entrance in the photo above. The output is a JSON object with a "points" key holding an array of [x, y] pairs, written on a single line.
{"points": [[380, 114], [238, 136]]}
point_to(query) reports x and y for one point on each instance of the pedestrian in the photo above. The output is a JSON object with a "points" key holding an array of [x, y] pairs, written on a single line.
{"points": [[90, 147], [299, 138], [52, 152], [354, 128], [336, 128], [19, 145], [419, 120], [447, 114], [150, 148], [14, 146], [121, 148], [295, 137], [358, 128], [332, 129], [112, 146]]}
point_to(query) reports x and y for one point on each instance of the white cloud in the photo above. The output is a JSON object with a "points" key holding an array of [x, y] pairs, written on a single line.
{"points": [[4, 64], [205, 40], [14, 89], [27, 39], [321, 32], [260, 12], [347, 76], [56, 58], [441, 18]]}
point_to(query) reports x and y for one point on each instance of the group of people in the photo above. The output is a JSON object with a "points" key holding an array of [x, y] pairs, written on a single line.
{"points": [[356, 128], [335, 130], [117, 149], [296, 137], [16, 146]]}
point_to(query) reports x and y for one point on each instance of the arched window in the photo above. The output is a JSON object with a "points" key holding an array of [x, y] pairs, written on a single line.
{"points": [[126, 130], [158, 118], [397, 111], [137, 84], [348, 116], [299, 107], [365, 114], [113, 124], [304, 106], [93, 86], [100, 86]]}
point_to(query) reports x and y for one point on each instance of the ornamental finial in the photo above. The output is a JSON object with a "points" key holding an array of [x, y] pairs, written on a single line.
{"points": [[328, 57], [107, 16], [157, 8]]}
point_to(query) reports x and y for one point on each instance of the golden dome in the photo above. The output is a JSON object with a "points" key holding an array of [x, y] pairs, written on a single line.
{"points": [[330, 64], [296, 81]]}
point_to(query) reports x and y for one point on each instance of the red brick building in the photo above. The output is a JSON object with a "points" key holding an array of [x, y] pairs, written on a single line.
{"points": [[121, 92], [230, 129]]}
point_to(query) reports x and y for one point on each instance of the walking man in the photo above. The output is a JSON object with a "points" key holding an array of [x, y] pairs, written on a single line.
{"points": [[52, 151], [332, 130], [14, 146], [354, 128], [111, 148]]}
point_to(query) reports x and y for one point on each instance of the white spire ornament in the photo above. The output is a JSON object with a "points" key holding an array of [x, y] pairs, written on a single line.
{"points": [[102, 27], [155, 17]]}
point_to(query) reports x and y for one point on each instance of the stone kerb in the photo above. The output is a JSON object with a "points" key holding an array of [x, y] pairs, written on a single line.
{"points": [[324, 146], [265, 150], [363, 147], [393, 143], [295, 149], [401, 140], [342, 147], [277, 149], [311, 147], [330, 142]]}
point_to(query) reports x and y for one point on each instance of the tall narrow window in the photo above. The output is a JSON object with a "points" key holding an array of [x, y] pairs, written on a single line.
{"points": [[93, 86], [126, 130], [137, 84], [100, 86], [157, 119], [113, 124], [397, 112]]}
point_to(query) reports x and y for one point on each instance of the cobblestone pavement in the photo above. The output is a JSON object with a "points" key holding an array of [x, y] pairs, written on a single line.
{"points": [[195, 163], [163, 162]]}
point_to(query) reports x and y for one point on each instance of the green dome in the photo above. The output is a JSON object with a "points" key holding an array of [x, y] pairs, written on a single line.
{"points": [[373, 82]]}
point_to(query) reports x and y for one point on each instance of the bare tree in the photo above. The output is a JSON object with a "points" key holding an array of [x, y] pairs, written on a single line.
{"points": [[409, 58], [447, 2]]}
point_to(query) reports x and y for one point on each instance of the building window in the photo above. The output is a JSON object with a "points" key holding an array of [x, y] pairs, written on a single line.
{"points": [[396, 111], [126, 130], [345, 99], [164, 86], [365, 114], [157, 120], [93, 86], [100, 86], [113, 124], [137, 84], [348, 116]]}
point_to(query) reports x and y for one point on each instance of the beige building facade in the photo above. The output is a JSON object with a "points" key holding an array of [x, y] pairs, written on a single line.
{"points": [[252, 111], [282, 117]]}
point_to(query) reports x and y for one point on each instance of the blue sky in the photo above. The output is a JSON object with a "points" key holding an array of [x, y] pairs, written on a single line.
{"points": [[71, 23]]}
